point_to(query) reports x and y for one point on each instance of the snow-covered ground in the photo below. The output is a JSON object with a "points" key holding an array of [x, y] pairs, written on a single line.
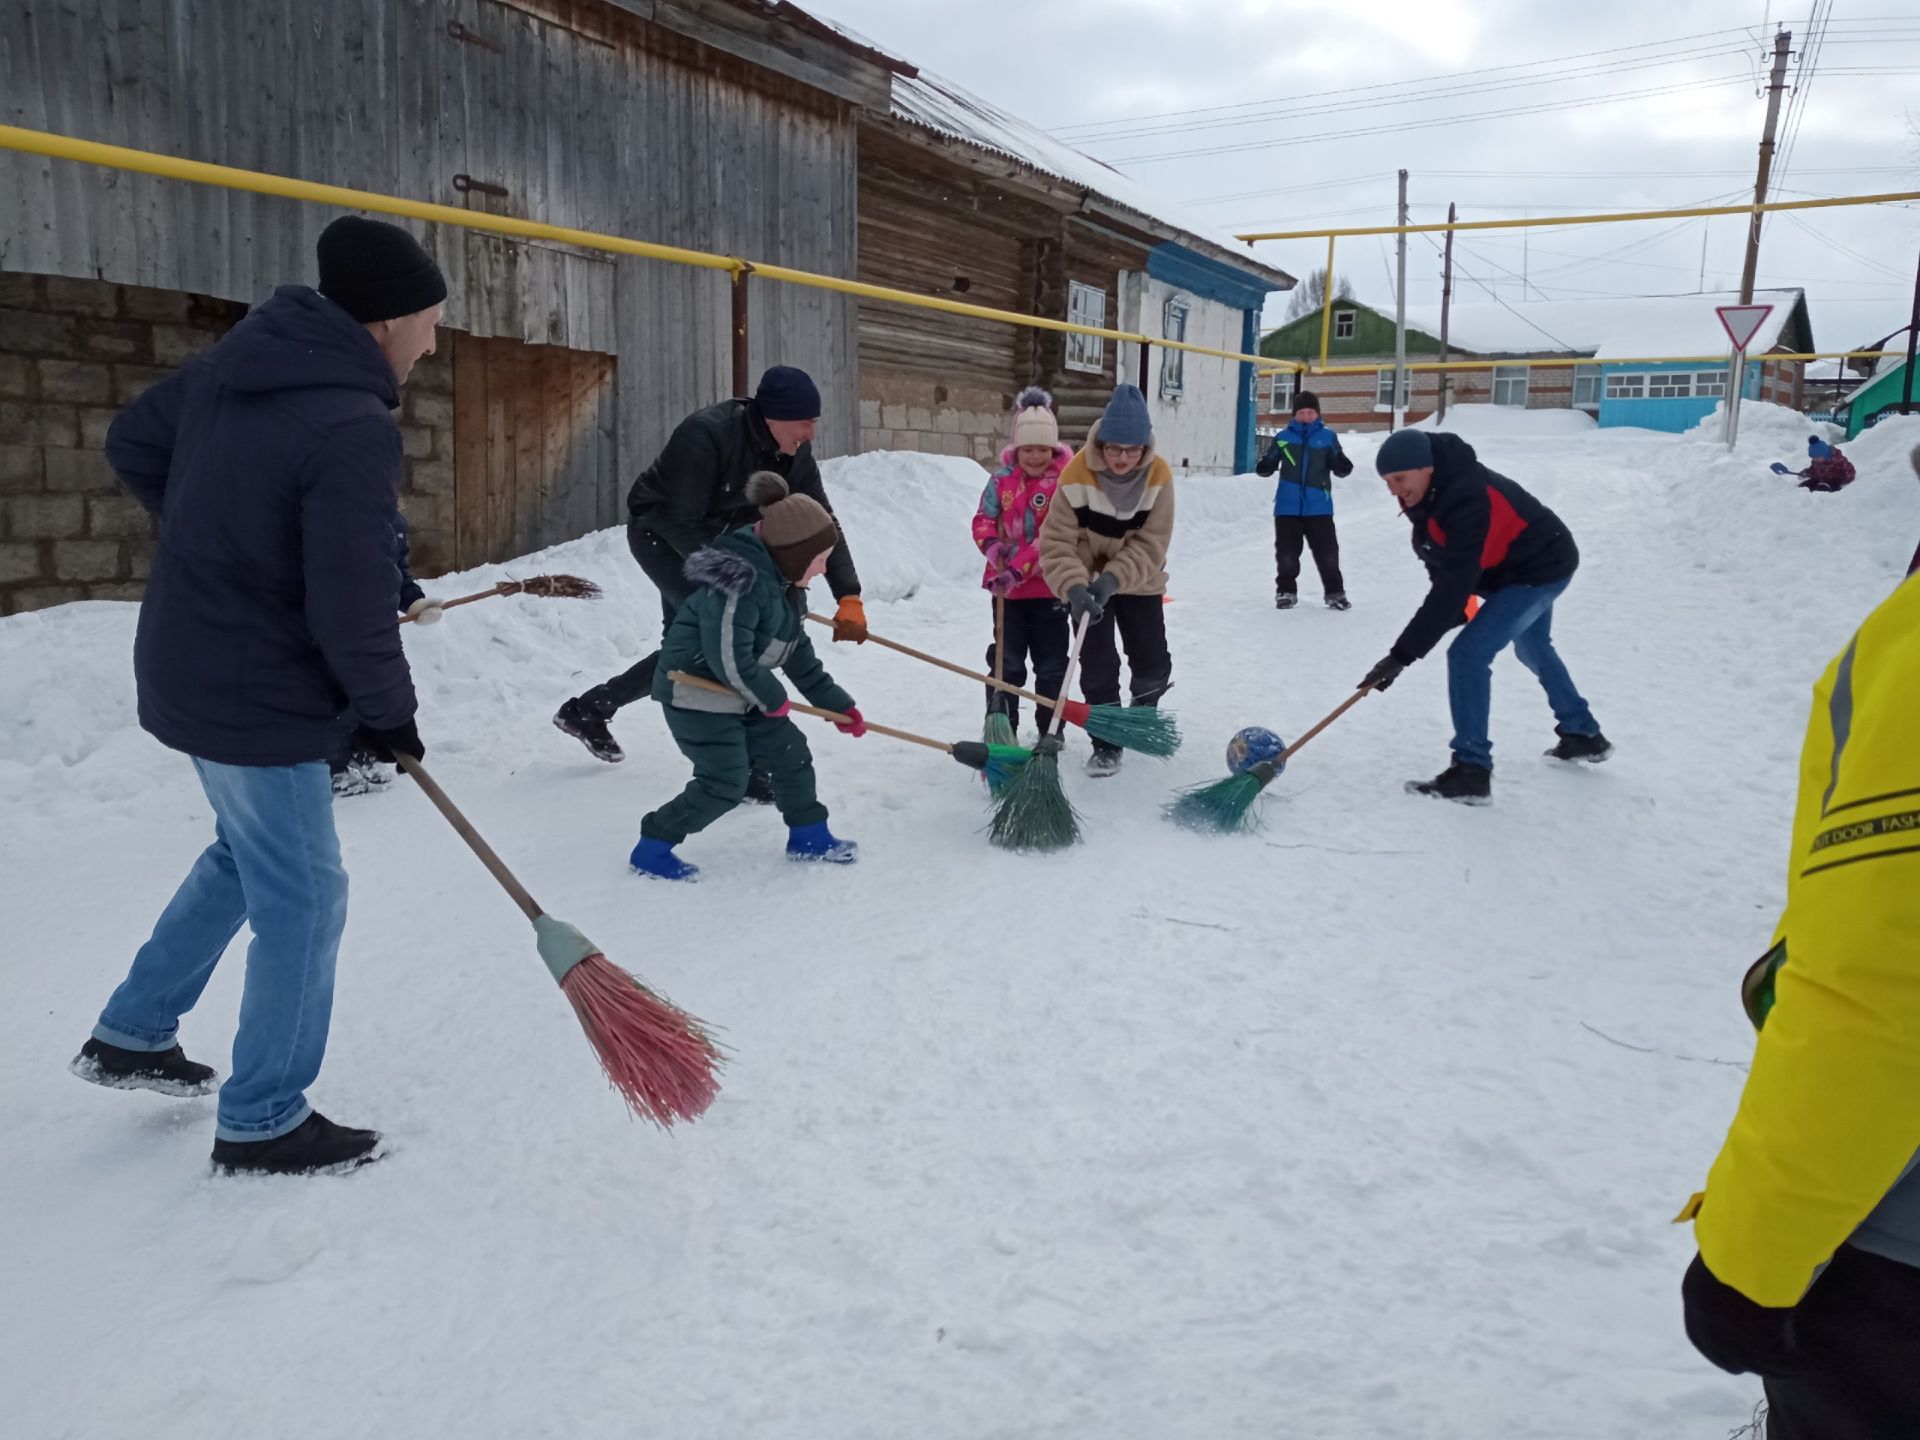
{"points": [[1367, 1126]]}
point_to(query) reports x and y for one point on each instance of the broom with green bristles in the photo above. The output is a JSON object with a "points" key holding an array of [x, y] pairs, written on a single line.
{"points": [[999, 763], [1222, 807], [1143, 728], [1034, 813]]}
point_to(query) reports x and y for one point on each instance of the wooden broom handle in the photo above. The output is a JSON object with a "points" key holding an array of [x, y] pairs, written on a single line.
{"points": [[698, 682], [499, 589], [1345, 705], [495, 865], [979, 675]]}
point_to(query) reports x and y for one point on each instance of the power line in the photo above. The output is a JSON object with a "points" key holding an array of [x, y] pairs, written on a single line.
{"points": [[1433, 123], [1083, 129], [1343, 105]]}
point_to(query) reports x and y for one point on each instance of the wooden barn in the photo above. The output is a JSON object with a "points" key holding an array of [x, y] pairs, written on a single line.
{"points": [[721, 125], [962, 200]]}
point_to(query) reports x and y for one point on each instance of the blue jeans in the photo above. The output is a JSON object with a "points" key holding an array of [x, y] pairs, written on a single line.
{"points": [[275, 865], [1520, 616]]}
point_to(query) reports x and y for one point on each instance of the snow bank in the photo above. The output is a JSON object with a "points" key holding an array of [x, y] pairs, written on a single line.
{"points": [[1479, 421], [1348, 1121]]}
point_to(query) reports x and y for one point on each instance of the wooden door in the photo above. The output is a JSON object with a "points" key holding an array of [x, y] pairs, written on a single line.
{"points": [[534, 455]]}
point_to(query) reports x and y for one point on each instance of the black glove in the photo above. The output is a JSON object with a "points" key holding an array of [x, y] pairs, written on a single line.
{"points": [[1081, 603], [1731, 1330], [1104, 586], [1384, 674], [381, 744]]}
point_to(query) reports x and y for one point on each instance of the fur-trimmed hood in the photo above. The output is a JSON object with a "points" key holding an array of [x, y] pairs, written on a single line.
{"points": [[732, 564]]}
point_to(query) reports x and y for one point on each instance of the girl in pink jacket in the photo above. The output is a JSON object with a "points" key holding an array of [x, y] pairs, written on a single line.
{"points": [[1006, 527]]}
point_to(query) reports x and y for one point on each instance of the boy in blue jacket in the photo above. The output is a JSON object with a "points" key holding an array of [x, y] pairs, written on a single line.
{"points": [[1308, 455]]}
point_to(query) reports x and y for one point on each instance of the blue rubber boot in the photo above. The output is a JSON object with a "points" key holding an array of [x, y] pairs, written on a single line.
{"points": [[816, 842], [656, 858]]}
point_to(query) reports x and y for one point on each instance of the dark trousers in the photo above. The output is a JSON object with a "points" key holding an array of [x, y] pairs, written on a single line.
{"points": [[1318, 532], [1140, 623], [1856, 1354], [723, 749], [1037, 629], [665, 567]]}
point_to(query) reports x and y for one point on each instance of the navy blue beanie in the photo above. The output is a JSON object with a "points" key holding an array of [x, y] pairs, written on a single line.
{"points": [[787, 393], [1404, 450], [1124, 421]]}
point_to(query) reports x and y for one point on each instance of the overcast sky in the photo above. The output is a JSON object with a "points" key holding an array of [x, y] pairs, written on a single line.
{"points": [[1086, 68]]}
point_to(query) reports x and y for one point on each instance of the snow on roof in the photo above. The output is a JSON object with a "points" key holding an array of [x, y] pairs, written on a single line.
{"points": [[1624, 328], [941, 106]]}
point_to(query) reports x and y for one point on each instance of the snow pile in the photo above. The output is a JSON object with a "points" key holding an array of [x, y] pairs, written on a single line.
{"points": [[1374, 1121], [1477, 422]]}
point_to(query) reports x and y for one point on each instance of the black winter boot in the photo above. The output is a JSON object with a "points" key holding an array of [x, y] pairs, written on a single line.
{"points": [[1338, 601], [588, 725], [316, 1146], [760, 788], [1590, 748], [1105, 760], [1285, 600], [166, 1072], [1468, 784]]}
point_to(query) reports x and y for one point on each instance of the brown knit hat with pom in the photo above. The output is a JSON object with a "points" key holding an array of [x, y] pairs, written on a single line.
{"points": [[796, 529]]}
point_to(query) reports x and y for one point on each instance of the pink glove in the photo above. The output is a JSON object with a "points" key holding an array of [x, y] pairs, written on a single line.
{"points": [[856, 726], [781, 711], [1003, 583]]}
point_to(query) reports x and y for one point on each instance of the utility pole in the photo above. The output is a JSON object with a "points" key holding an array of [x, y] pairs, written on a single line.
{"points": [[1400, 313], [1913, 339], [1774, 88], [1446, 305]]}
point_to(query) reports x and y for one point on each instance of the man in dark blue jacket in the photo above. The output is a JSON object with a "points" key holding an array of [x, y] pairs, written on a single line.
{"points": [[1479, 533], [272, 463], [1308, 456]]}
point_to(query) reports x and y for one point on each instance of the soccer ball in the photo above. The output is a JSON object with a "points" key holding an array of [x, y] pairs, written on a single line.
{"points": [[1253, 745]]}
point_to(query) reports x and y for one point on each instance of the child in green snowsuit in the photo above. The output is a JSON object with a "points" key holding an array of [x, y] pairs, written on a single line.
{"points": [[746, 620]]}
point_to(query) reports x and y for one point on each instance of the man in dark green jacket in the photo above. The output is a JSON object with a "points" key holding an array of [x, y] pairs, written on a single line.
{"points": [[745, 620], [695, 492]]}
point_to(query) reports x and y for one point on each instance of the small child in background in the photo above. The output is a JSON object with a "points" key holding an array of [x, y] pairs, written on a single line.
{"points": [[1828, 469], [746, 620], [1029, 622]]}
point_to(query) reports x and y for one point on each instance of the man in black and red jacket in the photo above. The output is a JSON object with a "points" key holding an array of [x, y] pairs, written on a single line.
{"points": [[1478, 533]]}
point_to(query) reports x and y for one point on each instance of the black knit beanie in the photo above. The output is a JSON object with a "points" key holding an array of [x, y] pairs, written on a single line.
{"points": [[376, 271], [1306, 399], [786, 392]]}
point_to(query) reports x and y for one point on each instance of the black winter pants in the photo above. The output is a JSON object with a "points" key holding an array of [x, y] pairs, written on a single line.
{"points": [[665, 567], [1036, 628], [1857, 1355], [1141, 625], [1317, 531]]}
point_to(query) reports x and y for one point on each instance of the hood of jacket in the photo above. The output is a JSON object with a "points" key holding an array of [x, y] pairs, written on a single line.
{"points": [[300, 340], [733, 564]]}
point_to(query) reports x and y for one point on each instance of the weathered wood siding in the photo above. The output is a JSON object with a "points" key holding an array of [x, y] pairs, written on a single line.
{"points": [[588, 116]]}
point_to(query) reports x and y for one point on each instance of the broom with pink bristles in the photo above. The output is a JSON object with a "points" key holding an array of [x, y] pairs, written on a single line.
{"points": [[661, 1059]]}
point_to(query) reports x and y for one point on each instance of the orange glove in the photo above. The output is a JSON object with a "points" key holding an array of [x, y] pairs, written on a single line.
{"points": [[850, 621]]}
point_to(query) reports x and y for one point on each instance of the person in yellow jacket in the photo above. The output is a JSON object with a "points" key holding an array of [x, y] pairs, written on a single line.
{"points": [[1808, 1271]]}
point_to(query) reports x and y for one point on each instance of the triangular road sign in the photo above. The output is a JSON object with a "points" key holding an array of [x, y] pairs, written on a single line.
{"points": [[1742, 322]]}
